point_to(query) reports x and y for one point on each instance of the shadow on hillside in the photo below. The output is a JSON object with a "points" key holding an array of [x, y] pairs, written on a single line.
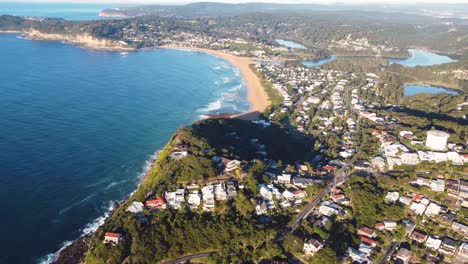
{"points": [[245, 140], [254, 115]]}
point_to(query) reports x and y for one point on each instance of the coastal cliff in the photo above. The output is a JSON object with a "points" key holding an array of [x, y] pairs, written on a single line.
{"points": [[84, 40], [112, 13]]}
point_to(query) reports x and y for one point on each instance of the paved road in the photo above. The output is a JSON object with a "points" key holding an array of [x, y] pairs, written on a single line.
{"points": [[189, 257], [389, 251]]}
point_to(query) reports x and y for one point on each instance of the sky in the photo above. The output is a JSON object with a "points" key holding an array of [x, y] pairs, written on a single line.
{"points": [[243, 1]]}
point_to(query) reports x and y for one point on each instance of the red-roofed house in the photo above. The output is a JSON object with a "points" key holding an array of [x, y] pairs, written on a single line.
{"points": [[112, 238], [418, 198], [299, 194], [380, 226], [369, 241], [328, 168], [365, 231], [158, 203]]}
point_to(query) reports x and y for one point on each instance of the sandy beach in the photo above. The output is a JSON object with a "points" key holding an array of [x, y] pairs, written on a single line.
{"points": [[257, 96]]}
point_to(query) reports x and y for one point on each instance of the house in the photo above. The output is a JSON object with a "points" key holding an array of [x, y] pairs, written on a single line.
{"points": [[438, 185], [405, 200], [312, 246], [433, 242], [231, 165], [220, 192], [462, 255], [208, 197], [417, 208], [357, 255], [328, 208], [448, 246], [422, 182], [231, 191], [176, 155], [368, 241], [378, 163], [419, 236], [158, 203], [392, 197], [299, 194], [453, 187], [404, 255], [418, 198], [463, 189], [460, 228], [194, 199], [261, 207], [302, 182], [447, 217], [112, 238], [389, 224], [409, 158], [367, 232], [380, 226], [266, 192], [340, 198], [288, 194], [409, 226], [135, 208], [284, 178], [433, 210], [362, 165]]}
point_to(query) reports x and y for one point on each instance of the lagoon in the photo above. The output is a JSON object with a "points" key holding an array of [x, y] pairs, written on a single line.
{"points": [[290, 44], [420, 89], [422, 58]]}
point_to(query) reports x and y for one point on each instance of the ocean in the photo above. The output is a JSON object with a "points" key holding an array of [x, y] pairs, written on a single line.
{"points": [[78, 128], [57, 10]]}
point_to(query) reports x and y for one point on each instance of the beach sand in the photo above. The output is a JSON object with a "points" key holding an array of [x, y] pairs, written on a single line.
{"points": [[257, 96]]}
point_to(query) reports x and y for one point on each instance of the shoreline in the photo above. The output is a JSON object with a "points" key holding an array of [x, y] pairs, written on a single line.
{"points": [[257, 96]]}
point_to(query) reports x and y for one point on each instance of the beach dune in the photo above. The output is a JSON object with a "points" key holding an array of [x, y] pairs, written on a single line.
{"points": [[257, 96]]}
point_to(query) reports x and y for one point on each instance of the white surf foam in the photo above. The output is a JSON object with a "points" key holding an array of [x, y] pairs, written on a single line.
{"points": [[94, 225]]}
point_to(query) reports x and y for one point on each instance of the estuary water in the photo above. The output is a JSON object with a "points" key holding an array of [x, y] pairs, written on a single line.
{"points": [[78, 126]]}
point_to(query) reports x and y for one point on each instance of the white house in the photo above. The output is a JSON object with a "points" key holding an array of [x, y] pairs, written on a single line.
{"points": [[284, 178], [312, 246], [194, 199], [437, 140], [266, 192], [288, 195], [418, 208], [135, 207], [409, 158], [438, 185], [433, 210], [392, 197], [389, 224], [433, 242], [220, 192], [440, 157]]}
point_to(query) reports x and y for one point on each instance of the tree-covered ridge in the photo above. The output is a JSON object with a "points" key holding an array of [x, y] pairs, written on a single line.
{"points": [[342, 32], [232, 230], [452, 75]]}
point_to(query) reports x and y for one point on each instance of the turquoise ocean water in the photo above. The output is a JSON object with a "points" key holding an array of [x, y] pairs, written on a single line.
{"points": [[78, 126]]}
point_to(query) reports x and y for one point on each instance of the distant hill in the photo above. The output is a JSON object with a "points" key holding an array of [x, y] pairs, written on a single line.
{"points": [[207, 9]]}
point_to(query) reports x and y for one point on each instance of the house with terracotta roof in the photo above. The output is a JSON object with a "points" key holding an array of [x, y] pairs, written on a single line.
{"points": [[112, 238], [419, 236], [369, 241], [367, 232], [158, 203]]}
